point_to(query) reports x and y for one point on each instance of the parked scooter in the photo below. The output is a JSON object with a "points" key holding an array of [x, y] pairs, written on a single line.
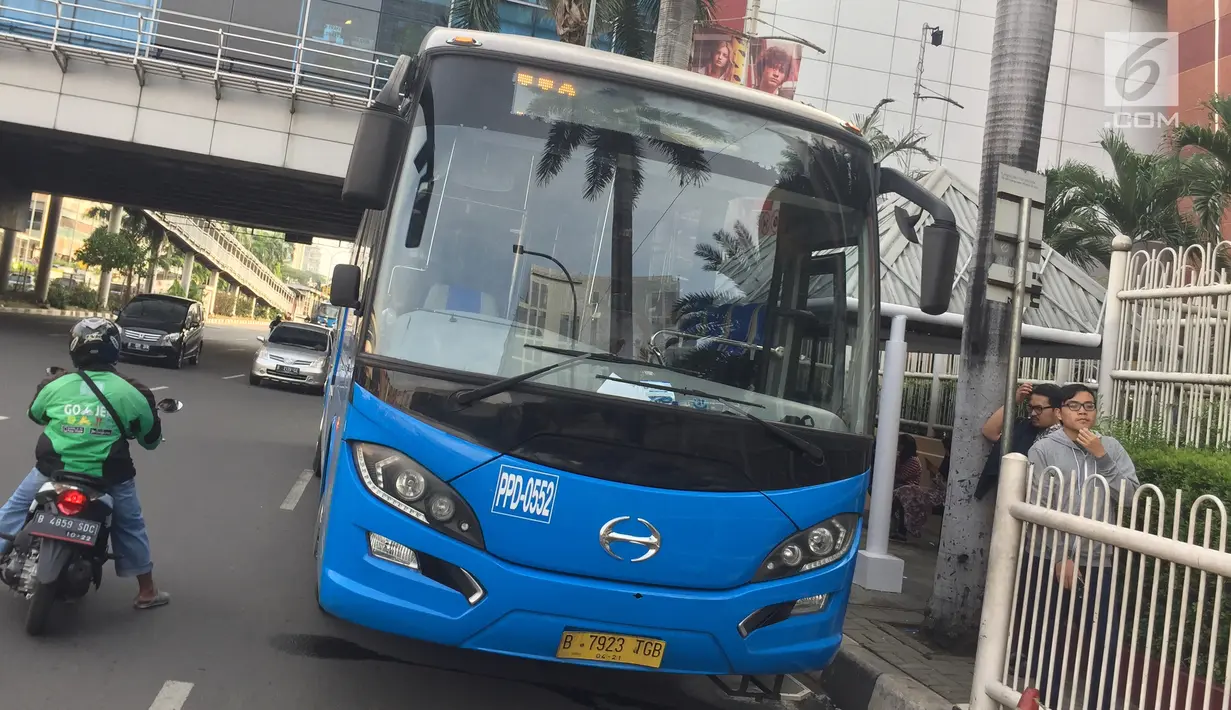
{"points": [[63, 546]]}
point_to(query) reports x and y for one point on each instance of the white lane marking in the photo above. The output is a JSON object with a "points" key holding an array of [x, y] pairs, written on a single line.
{"points": [[173, 695], [292, 498], [159, 388], [3, 418], [231, 377]]}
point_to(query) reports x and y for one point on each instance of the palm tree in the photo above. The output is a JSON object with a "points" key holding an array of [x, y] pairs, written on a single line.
{"points": [[884, 145], [1021, 56], [628, 21], [615, 161], [1208, 172], [1141, 200]]}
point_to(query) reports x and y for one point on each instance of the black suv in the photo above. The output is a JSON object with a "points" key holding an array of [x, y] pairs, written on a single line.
{"points": [[167, 328]]}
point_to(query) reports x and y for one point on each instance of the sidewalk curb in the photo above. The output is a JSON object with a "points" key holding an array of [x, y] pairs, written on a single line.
{"points": [[55, 312], [858, 679], [71, 313]]}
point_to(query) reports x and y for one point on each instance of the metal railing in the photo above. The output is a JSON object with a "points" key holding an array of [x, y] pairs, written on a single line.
{"points": [[1131, 617], [1172, 353], [194, 48], [230, 256]]}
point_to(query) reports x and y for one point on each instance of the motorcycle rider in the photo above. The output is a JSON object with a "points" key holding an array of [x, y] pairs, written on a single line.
{"points": [[80, 436]]}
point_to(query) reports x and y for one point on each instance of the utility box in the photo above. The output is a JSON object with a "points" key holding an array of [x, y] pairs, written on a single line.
{"points": [[1013, 186]]}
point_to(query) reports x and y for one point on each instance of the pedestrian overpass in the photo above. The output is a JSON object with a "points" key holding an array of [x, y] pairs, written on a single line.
{"points": [[122, 102], [219, 251]]}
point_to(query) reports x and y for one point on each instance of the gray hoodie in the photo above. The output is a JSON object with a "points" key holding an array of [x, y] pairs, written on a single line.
{"points": [[1079, 466]]}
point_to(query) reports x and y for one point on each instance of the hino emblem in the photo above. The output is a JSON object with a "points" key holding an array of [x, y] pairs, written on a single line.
{"points": [[652, 542]]}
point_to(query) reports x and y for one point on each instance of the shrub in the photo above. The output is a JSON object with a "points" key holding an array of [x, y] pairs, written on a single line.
{"points": [[1194, 473], [77, 295]]}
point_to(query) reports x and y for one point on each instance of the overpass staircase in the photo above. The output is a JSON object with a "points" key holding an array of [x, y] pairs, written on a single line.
{"points": [[219, 250]]}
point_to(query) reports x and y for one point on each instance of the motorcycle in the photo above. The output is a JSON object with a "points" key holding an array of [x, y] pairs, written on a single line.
{"points": [[64, 544]]}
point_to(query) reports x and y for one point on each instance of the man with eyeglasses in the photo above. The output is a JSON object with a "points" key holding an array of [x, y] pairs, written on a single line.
{"points": [[1043, 415], [1072, 563]]}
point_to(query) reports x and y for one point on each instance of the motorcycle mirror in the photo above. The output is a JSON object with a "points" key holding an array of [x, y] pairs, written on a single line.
{"points": [[170, 405], [53, 370]]}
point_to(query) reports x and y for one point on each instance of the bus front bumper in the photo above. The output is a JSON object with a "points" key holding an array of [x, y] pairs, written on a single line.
{"points": [[521, 611]]}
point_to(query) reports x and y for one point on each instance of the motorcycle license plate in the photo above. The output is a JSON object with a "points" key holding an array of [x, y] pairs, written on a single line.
{"points": [[66, 529], [286, 369]]}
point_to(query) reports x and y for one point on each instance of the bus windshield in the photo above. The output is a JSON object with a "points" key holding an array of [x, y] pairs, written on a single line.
{"points": [[543, 213], [327, 311]]}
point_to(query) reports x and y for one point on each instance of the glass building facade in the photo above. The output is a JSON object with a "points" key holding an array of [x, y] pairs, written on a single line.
{"points": [[385, 26]]}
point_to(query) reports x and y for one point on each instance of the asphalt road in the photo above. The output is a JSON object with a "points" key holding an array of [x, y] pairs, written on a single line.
{"points": [[243, 629]]}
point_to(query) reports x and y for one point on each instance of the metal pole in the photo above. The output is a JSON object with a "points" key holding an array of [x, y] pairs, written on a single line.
{"points": [[1110, 353], [887, 423], [590, 23], [914, 105], [998, 601], [1018, 306]]}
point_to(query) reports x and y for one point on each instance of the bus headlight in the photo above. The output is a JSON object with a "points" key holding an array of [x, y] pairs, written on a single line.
{"points": [[405, 484], [810, 549]]}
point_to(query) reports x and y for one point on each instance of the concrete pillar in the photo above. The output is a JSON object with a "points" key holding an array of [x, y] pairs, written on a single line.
{"points": [[252, 308], [6, 257], [51, 225], [155, 251], [234, 299], [104, 279], [186, 275], [213, 293]]}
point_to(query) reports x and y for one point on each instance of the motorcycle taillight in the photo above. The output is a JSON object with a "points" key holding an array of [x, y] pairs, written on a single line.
{"points": [[72, 502]]}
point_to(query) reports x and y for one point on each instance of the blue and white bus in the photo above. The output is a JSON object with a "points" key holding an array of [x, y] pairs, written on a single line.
{"points": [[609, 368], [326, 314]]}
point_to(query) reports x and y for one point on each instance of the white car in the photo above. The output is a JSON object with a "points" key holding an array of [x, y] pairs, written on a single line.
{"points": [[294, 354]]}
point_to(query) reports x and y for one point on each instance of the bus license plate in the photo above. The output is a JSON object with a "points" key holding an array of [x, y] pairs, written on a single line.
{"points": [[59, 527], [611, 648], [286, 369]]}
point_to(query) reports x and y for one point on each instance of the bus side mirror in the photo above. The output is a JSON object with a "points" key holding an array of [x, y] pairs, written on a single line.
{"points": [[940, 245], [940, 240], [380, 144], [344, 289]]}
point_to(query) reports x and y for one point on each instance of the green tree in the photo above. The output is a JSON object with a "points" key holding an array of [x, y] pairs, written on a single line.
{"points": [[885, 146], [1139, 199], [1208, 172], [122, 252]]}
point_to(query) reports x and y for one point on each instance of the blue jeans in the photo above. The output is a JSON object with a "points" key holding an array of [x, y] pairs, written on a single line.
{"points": [[129, 540]]}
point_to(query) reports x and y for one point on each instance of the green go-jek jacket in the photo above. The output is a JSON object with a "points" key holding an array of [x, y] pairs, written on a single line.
{"points": [[79, 436]]}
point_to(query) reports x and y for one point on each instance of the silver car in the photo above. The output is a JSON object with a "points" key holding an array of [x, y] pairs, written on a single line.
{"points": [[294, 354]]}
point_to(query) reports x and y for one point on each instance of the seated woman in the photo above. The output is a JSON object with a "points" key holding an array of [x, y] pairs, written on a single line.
{"points": [[908, 470], [913, 503]]}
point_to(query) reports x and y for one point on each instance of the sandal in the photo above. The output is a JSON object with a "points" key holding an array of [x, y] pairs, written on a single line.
{"points": [[160, 599]]}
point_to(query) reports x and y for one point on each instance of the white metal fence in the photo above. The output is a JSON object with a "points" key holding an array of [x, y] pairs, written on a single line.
{"points": [[929, 395], [1172, 361], [194, 48], [1142, 627]]}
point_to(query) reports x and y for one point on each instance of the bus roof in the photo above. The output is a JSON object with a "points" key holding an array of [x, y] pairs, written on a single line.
{"points": [[554, 53]]}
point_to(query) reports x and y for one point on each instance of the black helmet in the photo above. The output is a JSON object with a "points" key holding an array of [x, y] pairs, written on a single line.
{"points": [[95, 341]]}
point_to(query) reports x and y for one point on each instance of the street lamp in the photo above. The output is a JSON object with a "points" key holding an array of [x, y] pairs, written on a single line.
{"points": [[519, 249], [934, 36]]}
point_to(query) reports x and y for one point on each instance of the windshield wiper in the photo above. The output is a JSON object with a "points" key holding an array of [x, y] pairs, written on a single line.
{"points": [[465, 397], [804, 447]]}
